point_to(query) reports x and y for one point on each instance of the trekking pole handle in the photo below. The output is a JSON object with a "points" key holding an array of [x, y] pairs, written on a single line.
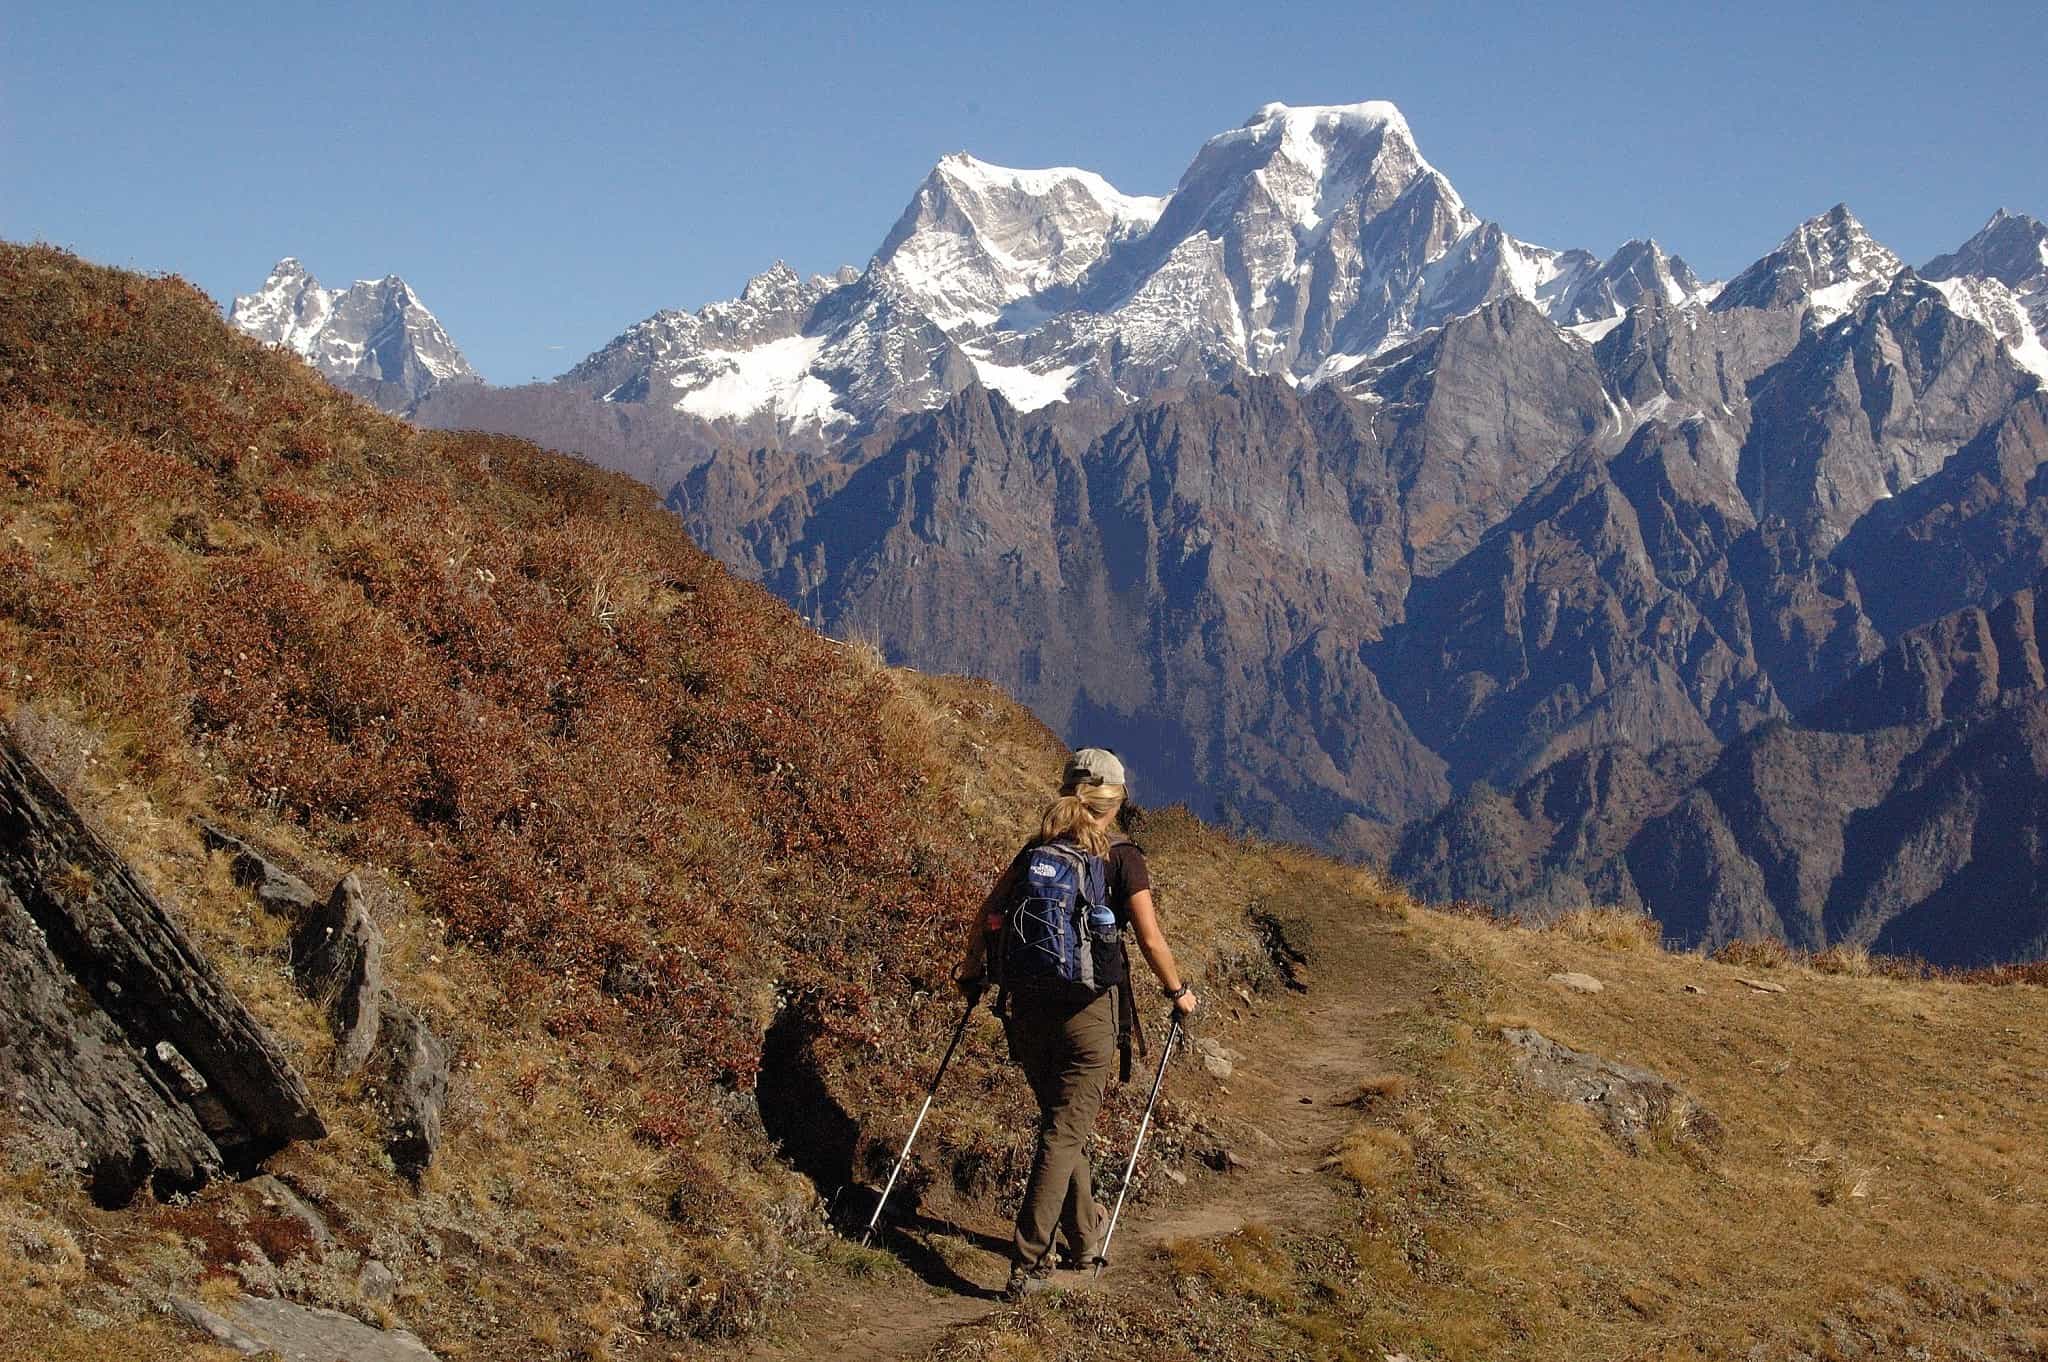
{"points": [[918, 1124]]}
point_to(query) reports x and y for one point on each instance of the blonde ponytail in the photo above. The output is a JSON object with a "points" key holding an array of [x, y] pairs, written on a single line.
{"points": [[1082, 815]]}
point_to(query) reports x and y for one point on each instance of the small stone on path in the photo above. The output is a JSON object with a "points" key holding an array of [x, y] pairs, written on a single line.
{"points": [[1578, 983], [1215, 1059]]}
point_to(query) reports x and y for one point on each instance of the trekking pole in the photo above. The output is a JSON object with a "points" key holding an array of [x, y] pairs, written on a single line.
{"points": [[1158, 1082], [918, 1124]]}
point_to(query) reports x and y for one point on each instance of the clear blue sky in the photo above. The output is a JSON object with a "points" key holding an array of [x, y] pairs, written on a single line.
{"points": [[544, 179]]}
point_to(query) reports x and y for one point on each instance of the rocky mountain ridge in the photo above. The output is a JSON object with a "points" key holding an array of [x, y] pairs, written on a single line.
{"points": [[374, 338], [1299, 244], [1901, 814]]}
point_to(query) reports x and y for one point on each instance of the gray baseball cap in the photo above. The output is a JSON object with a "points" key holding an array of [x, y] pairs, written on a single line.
{"points": [[1092, 766]]}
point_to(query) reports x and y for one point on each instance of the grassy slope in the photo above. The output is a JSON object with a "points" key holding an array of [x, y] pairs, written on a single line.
{"points": [[1878, 1190], [620, 813]]}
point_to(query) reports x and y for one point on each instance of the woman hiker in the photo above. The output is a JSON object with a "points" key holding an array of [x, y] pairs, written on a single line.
{"points": [[1064, 1036]]}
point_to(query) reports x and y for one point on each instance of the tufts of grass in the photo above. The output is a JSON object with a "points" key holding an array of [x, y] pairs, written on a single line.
{"points": [[1621, 929], [1845, 958], [1251, 1265], [1373, 1157], [850, 1260], [1381, 1092], [1756, 953]]}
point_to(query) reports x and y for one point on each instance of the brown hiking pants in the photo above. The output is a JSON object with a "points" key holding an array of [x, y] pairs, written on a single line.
{"points": [[1067, 1053]]}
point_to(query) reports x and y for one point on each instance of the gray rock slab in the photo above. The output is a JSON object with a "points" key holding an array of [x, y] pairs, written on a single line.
{"points": [[338, 957], [300, 1333], [276, 888], [1578, 983], [113, 1024], [1631, 1102]]}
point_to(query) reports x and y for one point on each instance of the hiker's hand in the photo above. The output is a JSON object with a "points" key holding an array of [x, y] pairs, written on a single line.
{"points": [[970, 986], [1185, 1004]]}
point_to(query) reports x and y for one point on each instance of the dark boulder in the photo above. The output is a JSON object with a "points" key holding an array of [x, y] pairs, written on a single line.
{"points": [[275, 887], [338, 959], [113, 1026]]}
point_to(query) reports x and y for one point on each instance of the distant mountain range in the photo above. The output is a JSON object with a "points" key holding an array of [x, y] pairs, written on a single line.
{"points": [[1356, 519]]}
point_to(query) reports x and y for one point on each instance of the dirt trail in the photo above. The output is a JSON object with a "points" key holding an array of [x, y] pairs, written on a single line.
{"points": [[1316, 1047]]}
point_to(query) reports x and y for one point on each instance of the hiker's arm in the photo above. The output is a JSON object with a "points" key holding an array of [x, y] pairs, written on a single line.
{"points": [[974, 964], [1159, 955]]}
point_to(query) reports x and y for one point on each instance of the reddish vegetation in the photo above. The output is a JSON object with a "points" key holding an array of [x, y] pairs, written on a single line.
{"points": [[504, 675]]}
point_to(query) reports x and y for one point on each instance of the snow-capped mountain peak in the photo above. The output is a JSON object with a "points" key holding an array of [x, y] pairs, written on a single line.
{"points": [[977, 237], [375, 338], [290, 309], [2011, 252], [1303, 164], [1639, 270], [1999, 277], [1302, 241], [2011, 248], [1828, 264]]}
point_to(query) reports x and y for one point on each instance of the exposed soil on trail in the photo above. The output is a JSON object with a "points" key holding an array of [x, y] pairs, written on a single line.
{"points": [[1303, 1059]]}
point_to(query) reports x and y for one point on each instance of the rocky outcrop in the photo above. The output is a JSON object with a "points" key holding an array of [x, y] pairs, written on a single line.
{"points": [[338, 959], [413, 1086], [276, 888], [116, 1029], [1636, 1106], [337, 955]]}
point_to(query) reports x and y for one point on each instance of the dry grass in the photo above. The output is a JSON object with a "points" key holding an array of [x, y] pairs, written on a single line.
{"points": [[1845, 958], [1381, 1092], [1869, 1137], [1372, 1157], [1757, 953], [1250, 1264], [1621, 929]]}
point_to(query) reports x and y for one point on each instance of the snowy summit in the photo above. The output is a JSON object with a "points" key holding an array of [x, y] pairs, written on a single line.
{"points": [[375, 338]]}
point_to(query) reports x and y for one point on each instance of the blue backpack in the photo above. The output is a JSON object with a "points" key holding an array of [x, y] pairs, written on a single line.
{"points": [[1043, 938]]}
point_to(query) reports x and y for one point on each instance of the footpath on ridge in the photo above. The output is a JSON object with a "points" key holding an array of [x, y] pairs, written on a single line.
{"points": [[1303, 1057]]}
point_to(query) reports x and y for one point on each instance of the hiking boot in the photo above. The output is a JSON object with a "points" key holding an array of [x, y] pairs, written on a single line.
{"points": [[1027, 1281]]}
